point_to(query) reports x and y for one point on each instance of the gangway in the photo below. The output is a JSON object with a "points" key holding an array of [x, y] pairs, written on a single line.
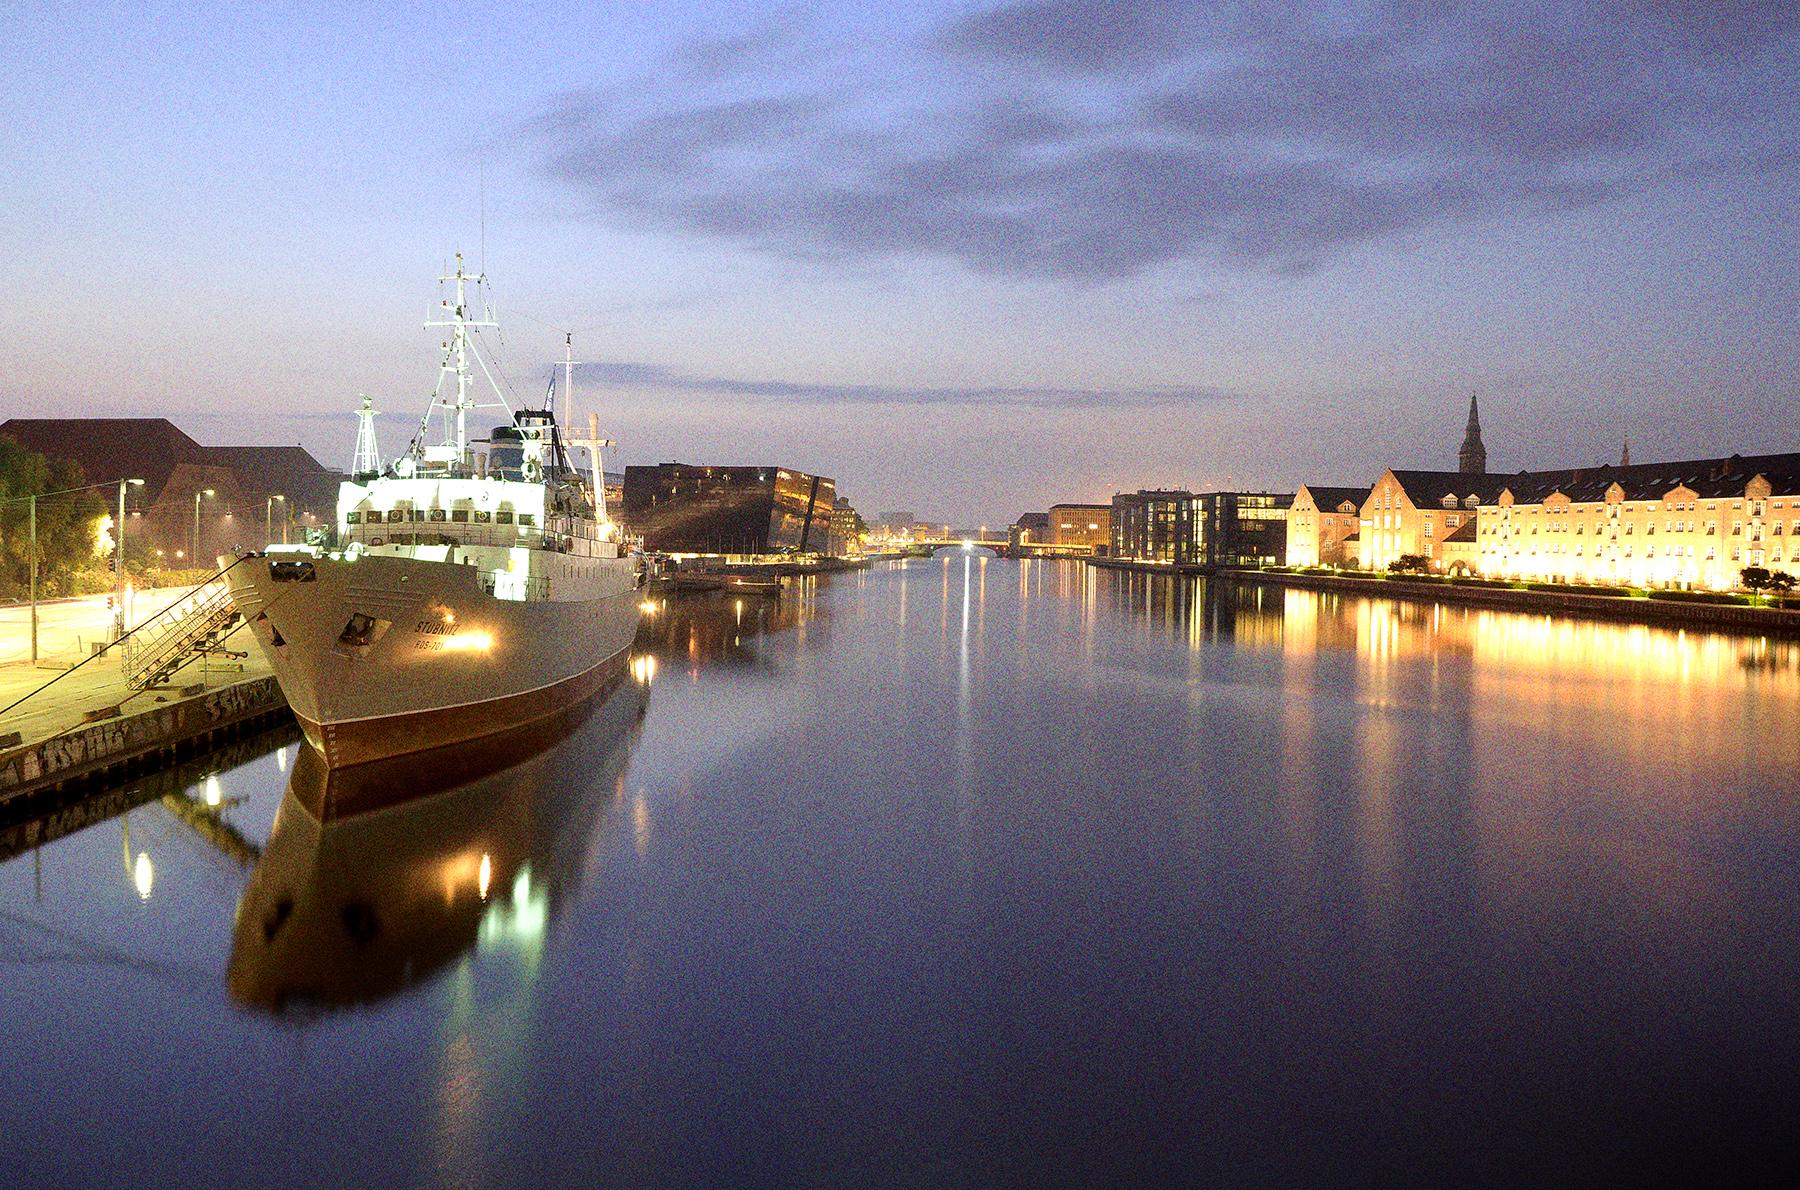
{"points": [[190, 628]]}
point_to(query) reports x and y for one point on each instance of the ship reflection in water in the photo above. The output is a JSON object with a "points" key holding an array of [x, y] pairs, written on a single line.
{"points": [[377, 876]]}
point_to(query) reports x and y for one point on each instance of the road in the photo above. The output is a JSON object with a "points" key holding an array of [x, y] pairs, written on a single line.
{"points": [[68, 627]]}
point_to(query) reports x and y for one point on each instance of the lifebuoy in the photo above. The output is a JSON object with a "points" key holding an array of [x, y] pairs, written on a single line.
{"points": [[533, 472]]}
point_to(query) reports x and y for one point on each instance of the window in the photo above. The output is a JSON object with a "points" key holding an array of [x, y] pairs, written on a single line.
{"points": [[355, 518], [438, 514], [460, 515], [483, 516], [503, 518], [525, 518]]}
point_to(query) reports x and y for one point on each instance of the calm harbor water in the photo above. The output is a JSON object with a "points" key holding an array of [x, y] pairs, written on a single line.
{"points": [[966, 873]]}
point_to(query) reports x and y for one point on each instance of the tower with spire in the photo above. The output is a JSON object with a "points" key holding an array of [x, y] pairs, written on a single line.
{"points": [[1472, 458]]}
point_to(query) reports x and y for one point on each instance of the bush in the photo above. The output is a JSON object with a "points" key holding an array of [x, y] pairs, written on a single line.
{"points": [[1579, 589], [1505, 584], [1702, 597]]}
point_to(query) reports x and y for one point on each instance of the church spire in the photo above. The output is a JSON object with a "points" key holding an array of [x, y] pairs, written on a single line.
{"points": [[1625, 453], [1472, 458]]}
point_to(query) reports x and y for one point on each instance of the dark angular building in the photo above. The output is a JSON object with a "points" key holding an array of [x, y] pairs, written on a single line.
{"points": [[684, 508]]}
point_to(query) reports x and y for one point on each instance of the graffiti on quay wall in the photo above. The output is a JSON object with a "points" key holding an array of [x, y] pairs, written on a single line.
{"points": [[73, 751]]}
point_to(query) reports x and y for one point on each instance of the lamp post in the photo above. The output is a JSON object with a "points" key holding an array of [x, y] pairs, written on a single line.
{"points": [[119, 559], [33, 581], [268, 522], [194, 548]]}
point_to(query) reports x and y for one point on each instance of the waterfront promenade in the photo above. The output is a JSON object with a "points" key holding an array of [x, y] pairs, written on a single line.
{"points": [[70, 719]]}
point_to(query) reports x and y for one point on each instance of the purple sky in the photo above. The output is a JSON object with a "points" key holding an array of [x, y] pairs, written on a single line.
{"points": [[969, 259]]}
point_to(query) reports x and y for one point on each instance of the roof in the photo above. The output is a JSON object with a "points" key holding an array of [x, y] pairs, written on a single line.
{"points": [[1327, 499], [1428, 488], [152, 449], [110, 448], [1652, 481]]}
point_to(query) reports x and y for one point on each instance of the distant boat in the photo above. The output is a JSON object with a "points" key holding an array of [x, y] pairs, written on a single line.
{"points": [[462, 594]]}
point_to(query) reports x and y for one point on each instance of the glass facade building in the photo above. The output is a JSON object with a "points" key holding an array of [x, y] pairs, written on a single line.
{"points": [[683, 508], [1201, 529]]}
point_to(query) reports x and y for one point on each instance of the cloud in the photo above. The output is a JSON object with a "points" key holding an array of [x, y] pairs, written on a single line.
{"points": [[1085, 141], [626, 374]]}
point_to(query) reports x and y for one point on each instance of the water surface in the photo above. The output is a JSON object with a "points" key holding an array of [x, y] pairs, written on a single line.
{"points": [[969, 873]]}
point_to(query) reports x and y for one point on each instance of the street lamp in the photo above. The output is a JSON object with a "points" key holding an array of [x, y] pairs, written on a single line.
{"points": [[194, 549], [119, 559], [268, 524]]}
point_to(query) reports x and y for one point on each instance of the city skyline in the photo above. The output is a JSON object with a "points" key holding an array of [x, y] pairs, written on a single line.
{"points": [[971, 259]]}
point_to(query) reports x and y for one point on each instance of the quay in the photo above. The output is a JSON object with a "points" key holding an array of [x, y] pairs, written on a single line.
{"points": [[79, 726], [1632, 607]]}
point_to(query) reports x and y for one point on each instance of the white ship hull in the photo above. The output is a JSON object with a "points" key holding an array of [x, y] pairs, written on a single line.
{"points": [[382, 656]]}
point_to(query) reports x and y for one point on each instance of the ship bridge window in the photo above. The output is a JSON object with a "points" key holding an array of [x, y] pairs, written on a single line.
{"points": [[353, 518], [399, 514], [483, 516], [437, 514], [503, 518], [525, 518], [460, 515]]}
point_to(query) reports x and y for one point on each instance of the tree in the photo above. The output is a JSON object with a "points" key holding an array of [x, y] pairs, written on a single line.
{"points": [[1781, 581], [65, 521], [1755, 578], [1408, 563]]}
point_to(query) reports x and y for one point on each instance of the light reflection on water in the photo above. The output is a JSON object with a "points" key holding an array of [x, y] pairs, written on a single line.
{"points": [[1074, 877]]}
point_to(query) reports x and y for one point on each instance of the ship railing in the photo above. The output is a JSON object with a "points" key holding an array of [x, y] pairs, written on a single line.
{"points": [[189, 628], [559, 533]]}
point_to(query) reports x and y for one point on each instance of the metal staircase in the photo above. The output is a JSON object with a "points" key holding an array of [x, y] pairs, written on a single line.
{"points": [[188, 629]]}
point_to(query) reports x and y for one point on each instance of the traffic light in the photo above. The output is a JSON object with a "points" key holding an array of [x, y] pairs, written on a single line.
{"points": [[112, 564]]}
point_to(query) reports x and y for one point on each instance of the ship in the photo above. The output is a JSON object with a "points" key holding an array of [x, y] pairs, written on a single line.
{"points": [[470, 587]]}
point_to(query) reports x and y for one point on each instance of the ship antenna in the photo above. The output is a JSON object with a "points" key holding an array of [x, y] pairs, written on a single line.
{"points": [[569, 362]]}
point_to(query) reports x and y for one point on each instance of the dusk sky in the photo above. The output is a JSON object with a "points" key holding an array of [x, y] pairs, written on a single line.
{"points": [[968, 259]]}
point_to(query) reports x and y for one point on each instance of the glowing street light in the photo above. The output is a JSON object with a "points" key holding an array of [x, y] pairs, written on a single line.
{"points": [[119, 559], [268, 529], [194, 547]]}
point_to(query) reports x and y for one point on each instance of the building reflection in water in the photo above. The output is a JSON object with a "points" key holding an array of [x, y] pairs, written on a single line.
{"points": [[1467, 757]]}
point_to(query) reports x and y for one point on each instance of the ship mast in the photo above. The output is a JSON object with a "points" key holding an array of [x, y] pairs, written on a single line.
{"points": [[368, 454], [569, 362], [460, 351]]}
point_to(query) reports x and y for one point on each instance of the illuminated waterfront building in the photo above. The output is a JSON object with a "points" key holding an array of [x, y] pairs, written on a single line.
{"points": [[1071, 530], [1695, 523], [1323, 525], [1201, 528], [1412, 512], [1085, 528]]}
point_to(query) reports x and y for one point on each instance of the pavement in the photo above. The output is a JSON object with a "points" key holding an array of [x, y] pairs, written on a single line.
{"points": [[56, 694]]}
